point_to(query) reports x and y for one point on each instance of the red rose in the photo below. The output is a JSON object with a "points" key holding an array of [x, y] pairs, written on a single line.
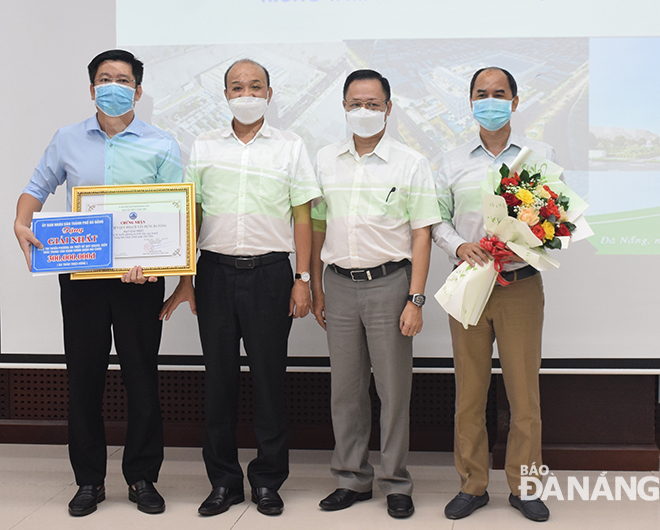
{"points": [[538, 231], [544, 212], [562, 230], [511, 200], [552, 193], [552, 208], [510, 182]]}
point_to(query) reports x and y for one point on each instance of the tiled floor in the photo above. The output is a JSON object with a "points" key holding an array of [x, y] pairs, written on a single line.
{"points": [[36, 483]]}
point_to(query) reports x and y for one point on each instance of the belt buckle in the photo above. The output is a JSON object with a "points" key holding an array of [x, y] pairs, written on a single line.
{"points": [[244, 263], [367, 275]]}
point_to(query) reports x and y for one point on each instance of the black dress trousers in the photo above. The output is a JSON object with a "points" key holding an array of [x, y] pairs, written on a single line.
{"points": [[92, 310], [253, 305]]}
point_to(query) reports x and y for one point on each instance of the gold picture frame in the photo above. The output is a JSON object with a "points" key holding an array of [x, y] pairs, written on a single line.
{"points": [[154, 226]]}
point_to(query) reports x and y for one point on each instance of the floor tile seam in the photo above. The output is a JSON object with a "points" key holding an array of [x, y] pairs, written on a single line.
{"points": [[240, 517]]}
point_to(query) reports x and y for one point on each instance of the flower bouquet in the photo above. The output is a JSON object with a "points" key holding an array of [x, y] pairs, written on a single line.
{"points": [[527, 209]]}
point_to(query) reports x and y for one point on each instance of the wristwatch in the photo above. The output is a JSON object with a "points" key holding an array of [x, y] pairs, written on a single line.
{"points": [[304, 276], [418, 299]]}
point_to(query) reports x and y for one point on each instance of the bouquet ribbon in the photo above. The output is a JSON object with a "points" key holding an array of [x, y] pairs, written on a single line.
{"points": [[500, 253]]}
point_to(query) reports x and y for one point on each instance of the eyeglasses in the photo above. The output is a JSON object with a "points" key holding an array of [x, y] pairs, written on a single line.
{"points": [[104, 80], [372, 104]]}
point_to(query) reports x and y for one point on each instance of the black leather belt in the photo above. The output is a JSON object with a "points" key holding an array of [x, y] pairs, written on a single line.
{"points": [[365, 275], [519, 274], [245, 262]]}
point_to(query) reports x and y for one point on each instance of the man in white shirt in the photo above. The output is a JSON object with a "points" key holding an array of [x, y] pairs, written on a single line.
{"points": [[513, 314], [251, 180], [379, 205]]}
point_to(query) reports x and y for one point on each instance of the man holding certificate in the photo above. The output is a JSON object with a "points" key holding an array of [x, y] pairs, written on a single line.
{"points": [[250, 180], [113, 147], [513, 314]]}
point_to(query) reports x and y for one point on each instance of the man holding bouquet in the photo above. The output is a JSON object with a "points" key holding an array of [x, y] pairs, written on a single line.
{"points": [[513, 314]]}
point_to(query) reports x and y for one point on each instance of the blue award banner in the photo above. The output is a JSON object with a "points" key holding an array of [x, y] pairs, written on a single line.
{"points": [[72, 243]]}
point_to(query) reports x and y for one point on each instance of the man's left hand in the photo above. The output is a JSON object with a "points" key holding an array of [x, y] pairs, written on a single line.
{"points": [[300, 300], [135, 276], [411, 321]]}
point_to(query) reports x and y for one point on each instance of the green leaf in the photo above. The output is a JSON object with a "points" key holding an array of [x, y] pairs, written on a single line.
{"points": [[562, 200], [554, 244], [504, 171], [570, 226], [524, 176]]}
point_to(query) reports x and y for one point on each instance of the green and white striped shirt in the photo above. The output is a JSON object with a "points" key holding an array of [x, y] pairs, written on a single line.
{"points": [[372, 202], [247, 190]]}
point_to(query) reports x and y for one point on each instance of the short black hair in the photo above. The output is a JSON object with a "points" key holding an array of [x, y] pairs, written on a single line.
{"points": [[251, 62], [512, 82], [368, 74], [116, 55]]}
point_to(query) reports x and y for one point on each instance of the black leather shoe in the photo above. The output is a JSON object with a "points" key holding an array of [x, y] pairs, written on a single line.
{"points": [[147, 498], [220, 500], [400, 505], [533, 509], [464, 504], [268, 501], [85, 500], [343, 498]]}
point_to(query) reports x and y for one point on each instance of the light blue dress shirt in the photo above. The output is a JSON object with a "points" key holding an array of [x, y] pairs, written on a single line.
{"points": [[83, 155]]}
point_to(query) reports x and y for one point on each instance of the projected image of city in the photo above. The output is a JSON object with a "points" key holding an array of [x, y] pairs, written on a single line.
{"points": [[624, 119], [430, 83], [186, 84]]}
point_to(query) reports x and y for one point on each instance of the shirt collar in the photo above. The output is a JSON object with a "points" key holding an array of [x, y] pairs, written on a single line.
{"points": [[513, 139], [135, 127], [382, 150], [265, 131]]}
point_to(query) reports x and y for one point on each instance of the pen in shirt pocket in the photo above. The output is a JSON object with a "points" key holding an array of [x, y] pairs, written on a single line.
{"points": [[390, 193]]}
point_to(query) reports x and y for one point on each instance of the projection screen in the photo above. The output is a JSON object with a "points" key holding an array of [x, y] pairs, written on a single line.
{"points": [[587, 73]]}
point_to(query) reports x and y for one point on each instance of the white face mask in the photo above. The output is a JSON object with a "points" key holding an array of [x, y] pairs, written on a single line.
{"points": [[365, 123], [248, 110]]}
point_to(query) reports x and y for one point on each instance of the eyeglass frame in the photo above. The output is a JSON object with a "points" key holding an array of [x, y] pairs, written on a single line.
{"points": [[380, 106]]}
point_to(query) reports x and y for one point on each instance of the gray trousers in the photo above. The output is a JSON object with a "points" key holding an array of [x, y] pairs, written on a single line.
{"points": [[363, 333]]}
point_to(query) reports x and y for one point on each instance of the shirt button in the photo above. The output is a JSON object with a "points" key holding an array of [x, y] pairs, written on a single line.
{"points": [[109, 167]]}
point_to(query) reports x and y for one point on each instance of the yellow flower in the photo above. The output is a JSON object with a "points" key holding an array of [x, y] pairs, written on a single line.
{"points": [[526, 197], [542, 192], [563, 216], [528, 215], [549, 229]]}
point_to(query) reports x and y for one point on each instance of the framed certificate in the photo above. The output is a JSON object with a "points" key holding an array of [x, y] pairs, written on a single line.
{"points": [[153, 226]]}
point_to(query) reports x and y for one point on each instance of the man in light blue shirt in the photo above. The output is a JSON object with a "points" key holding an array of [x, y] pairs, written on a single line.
{"points": [[113, 147]]}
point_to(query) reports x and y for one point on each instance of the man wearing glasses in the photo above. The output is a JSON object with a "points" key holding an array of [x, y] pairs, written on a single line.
{"points": [[379, 205], [112, 147]]}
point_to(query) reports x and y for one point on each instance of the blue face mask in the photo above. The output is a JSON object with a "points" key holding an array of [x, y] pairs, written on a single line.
{"points": [[114, 99], [491, 113]]}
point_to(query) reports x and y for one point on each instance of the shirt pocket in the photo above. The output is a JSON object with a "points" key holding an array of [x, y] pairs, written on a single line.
{"points": [[389, 203]]}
